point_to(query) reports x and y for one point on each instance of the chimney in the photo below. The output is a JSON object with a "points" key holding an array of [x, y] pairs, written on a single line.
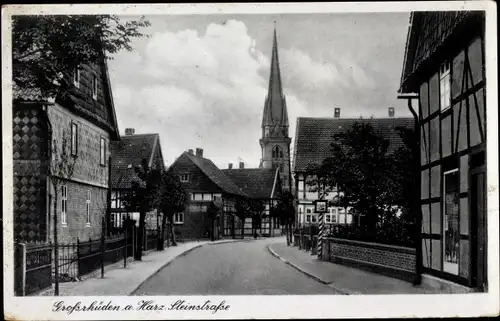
{"points": [[391, 112], [129, 131], [336, 113], [230, 166], [199, 152], [242, 165], [190, 151]]}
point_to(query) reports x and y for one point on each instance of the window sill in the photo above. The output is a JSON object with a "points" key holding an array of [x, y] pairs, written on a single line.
{"points": [[102, 165], [64, 224], [74, 155], [88, 225]]}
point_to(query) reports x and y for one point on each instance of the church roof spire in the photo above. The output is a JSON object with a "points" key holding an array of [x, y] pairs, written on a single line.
{"points": [[275, 112]]}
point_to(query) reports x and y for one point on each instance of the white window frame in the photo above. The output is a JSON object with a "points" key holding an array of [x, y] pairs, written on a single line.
{"points": [[64, 204], [74, 138], [102, 151], [301, 186], [308, 218], [87, 206], [94, 86], [184, 178], [445, 85], [207, 197], [178, 218], [76, 76]]}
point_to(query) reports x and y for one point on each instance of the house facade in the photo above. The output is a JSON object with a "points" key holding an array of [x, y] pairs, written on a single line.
{"points": [[79, 126], [444, 66], [126, 154], [275, 141], [263, 185], [207, 187], [312, 146]]}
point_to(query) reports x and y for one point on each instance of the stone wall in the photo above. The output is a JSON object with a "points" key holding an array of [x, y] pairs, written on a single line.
{"points": [[395, 261]]}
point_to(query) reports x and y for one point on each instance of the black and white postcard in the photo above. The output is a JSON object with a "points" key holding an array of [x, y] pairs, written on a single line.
{"points": [[250, 161]]}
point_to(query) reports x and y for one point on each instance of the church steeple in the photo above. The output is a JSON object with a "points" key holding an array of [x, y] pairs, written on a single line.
{"points": [[275, 111], [275, 142]]}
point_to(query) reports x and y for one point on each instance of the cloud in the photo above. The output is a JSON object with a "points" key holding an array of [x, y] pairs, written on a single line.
{"points": [[197, 90]]}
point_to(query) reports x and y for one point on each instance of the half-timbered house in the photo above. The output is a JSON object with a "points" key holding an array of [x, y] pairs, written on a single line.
{"points": [[126, 154], [208, 188], [444, 67], [313, 139], [263, 185]]}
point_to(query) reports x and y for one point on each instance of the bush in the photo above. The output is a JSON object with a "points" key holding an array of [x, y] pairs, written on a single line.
{"points": [[395, 232]]}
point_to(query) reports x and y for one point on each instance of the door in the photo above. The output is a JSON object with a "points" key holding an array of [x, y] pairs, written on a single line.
{"points": [[479, 223]]}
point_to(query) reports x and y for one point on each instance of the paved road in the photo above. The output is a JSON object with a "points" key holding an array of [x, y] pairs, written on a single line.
{"points": [[231, 269]]}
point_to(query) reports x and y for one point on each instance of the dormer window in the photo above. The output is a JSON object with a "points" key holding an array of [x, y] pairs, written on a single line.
{"points": [[76, 76]]}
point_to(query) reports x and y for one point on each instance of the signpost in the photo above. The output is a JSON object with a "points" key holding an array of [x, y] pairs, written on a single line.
{"points": [[320, 207]]}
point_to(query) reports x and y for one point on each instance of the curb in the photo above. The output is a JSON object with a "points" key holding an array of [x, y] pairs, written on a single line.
{"points": [[180, 255], [298, 268]]}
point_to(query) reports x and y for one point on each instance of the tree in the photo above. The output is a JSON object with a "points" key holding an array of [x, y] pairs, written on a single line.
{"points": [[285, 211], [369, 178], [243, 210], [61, 169], [256, 210], [173, 198], [47, 48], [142, 197]]}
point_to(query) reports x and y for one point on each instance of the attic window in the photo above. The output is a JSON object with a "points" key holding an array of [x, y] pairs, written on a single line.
{"points": [[129, 166], [184, 178], [94, 87], [76, 77]]}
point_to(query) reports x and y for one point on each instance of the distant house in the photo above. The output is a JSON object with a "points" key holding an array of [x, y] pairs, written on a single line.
{"points": [[313, 145], [126, 154], [207, 186], [86, 121], [263, 184], [445, 66]]}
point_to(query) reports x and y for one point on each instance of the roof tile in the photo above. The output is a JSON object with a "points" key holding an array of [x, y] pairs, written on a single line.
{"points": [[314, 136], [256, 182]]}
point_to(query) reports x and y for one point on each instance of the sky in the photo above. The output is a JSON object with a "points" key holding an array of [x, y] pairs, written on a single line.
{"points": [[200, 81]]}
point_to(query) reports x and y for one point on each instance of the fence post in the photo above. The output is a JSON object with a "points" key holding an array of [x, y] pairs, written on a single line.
{"points": [[20, 269], [103, 244], [78, 257], [125, 252]]}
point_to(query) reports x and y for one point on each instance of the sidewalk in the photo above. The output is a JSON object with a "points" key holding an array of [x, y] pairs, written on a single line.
{"points": [[124, 281], [344, 279]]}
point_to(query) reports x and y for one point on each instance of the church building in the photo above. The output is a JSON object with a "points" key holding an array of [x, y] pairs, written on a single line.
{"points": [[275, 141]]}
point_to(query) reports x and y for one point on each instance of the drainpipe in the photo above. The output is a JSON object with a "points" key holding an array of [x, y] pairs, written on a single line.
{"points": [[416, 205]]}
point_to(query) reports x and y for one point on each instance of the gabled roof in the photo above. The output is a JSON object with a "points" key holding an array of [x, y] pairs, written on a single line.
{"points": [[214, 174], [427, 32], [313, 136], [258, 183], [129, 152]]}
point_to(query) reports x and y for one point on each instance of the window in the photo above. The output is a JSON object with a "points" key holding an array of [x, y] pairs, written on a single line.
{"points": [[444, 85], [328, 218], [76, 76], [184, 178], [103, 151], [64, 203], [94, 87], [281, 168], [114, 199], [87, 206], [301, 186], [207, 197], [314, 218], [74, 138], [277, 152], [451, 219], [308, 218], [179, 218]]}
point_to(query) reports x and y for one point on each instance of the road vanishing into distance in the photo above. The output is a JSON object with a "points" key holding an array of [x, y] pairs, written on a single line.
{"points": [[235, 268]]}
